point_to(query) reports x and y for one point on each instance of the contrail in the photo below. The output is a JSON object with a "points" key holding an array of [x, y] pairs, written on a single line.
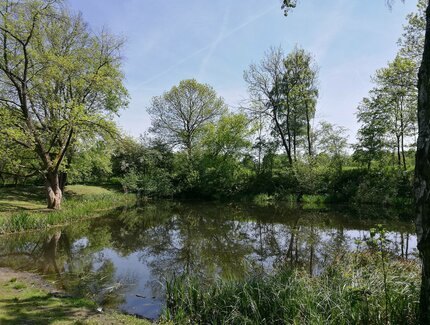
{"points": [[215, 43], [211, 46]]}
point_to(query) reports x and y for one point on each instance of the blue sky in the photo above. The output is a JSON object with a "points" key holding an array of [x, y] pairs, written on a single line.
{"points": [[215, 41]]}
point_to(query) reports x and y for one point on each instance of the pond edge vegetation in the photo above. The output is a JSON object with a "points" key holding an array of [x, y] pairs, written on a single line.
{"points": [[73, 210], [367, 286]]}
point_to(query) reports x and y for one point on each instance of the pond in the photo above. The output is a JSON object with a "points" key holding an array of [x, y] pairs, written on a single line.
{"points": [[123, 259]]}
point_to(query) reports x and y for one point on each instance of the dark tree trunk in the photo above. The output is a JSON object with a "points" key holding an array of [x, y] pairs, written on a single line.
{"points": [[403, 152], [284, 141], [308, 130], [62, 181], [53, 190], [407, 246], [295, 145], [402, 245], [399, 157], [422, 174], [402, 136]]}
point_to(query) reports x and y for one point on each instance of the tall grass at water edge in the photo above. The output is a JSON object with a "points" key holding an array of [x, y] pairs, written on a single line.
{"points": [[356, 288], [72, 210]]}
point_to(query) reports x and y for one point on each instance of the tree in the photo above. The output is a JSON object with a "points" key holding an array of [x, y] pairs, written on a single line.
{"points": [[58, 82], [229, 136], [180, 115], [422, 166], [332, 141], [372, 114], [389, 117], [13, 162], [225, 144], [412, 41], [91, 161], [301, 82], [264, 86], [144, 166], [422, 175], [396, 86], [283, 90]]}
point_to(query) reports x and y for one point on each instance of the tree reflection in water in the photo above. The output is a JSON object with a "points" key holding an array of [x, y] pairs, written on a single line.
{"points": [[124, 259]]}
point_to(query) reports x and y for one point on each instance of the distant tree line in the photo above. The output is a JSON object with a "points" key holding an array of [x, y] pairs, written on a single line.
{"points": [[197, 146]]}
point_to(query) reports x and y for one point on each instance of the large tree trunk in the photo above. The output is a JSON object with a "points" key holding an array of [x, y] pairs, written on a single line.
{"points": [[53, 190], [422, 175]]}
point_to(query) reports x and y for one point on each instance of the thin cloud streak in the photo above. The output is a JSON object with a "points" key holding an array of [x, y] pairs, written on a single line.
{"points": [[216, 42], [209, 46]]}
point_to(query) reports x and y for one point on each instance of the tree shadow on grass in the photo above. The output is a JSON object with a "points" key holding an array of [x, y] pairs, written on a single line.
{"points": [[42, 309], [22, 198]]}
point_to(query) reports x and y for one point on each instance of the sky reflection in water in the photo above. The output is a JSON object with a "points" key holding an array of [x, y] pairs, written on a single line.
{"points": [[123, 260]]}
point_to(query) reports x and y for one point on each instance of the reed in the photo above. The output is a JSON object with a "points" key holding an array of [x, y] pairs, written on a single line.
{"points": [[351, 290]]}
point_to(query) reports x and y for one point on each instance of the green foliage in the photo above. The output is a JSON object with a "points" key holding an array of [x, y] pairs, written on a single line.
{"points": [[287, 5], [314, 199], [228, 137], [262, 199], [371, 136], [180, 115], [144, 167], [333, 142], [156, 184], [351, 290], [60, 83], [224, 144], [388, 117], [283, 92], [412, 40], [90, 163], [389, 186]]}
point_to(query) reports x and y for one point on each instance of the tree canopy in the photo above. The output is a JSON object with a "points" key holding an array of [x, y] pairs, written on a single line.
{"points": [[58, 82], [180, 115]]}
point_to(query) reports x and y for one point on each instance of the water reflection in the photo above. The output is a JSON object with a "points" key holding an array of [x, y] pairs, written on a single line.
{"points": [[122, 260]]}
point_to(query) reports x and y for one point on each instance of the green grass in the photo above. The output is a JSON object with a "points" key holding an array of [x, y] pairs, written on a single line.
{"points": [[21, 198], [350, 291], [32, 198], [79, 202], [81, 190], [263, 199], [314, 199], [22, 302]]}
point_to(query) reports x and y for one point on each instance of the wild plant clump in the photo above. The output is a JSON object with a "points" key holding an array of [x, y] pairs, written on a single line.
{"points": [[368, 286]]}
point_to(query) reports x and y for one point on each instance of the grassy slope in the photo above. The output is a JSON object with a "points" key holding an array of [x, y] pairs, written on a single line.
{"points": [[22, 208], [13, 199], [26, 300]]}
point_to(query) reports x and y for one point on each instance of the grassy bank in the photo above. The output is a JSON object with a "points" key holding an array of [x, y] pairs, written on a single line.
{"points": [[357, 288], [22, 209], [27, 299]]}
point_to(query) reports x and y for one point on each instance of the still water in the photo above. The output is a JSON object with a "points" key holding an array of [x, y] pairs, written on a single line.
{"points": [[123, 259]]}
